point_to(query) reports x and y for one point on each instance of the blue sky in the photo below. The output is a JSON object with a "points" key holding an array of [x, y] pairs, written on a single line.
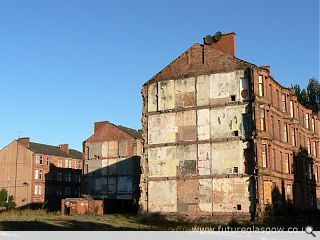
{"points": [[66, 64]]}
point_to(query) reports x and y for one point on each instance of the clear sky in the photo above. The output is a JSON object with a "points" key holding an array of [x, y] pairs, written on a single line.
{"points": [[65, 64]]}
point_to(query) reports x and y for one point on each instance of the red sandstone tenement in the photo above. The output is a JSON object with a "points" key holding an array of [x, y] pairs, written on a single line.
{"points": [[219, 140], [36, 173]]}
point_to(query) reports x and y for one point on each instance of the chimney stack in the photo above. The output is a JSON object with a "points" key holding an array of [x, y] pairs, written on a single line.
{"points": [[24, 141], [98, 125], [223, 42], [64, 147]]}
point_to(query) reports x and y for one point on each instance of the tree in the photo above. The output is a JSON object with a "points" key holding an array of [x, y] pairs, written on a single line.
{"points": [[309, 97], [313, 92], [3, 200]]}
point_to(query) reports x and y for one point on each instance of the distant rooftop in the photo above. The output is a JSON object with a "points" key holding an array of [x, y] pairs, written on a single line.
{"points": [[53, 150]]}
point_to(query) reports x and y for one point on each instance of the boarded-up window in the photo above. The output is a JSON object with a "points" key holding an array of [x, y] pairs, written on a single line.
{"points": [[267, 190], [111, 185], [124, 184], [113, 149], [123, 147]]}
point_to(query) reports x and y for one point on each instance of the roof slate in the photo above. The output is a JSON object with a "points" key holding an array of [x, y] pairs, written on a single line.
{"points": [[53, 150]]}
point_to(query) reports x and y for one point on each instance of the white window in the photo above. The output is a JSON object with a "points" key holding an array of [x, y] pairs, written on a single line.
{"points": [[314, 146], [291, 109], [59, 162], [36, 175], [307, 120], [293, 137], [37, 189], [39, 159], [49, 160], [284, 106], [308, 146], [264, 155], [68, 163], [313, 126], [262, 120], [261, 86], [286, 164]]}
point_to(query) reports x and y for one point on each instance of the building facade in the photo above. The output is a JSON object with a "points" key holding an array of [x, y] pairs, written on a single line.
{"points": [[205, 150], [36, 173], [112, 166]]}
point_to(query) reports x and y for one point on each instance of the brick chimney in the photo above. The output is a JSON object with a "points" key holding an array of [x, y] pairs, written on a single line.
{"points": [[64, 147], [98, 125], [24, 141], [227, 43]]}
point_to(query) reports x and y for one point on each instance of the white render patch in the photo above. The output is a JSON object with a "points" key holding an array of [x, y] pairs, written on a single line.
{"points": [[162, 196]]}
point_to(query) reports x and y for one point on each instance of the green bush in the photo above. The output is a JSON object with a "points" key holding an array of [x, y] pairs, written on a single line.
{"points": [[3, 200]]}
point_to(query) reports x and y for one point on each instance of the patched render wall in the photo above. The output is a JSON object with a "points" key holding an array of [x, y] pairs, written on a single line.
{"points": [[112, 169], [196, 133]]}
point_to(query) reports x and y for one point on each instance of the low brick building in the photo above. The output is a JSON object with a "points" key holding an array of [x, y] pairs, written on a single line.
{"points": [[112, 166], [223, 137], [36, 173]]}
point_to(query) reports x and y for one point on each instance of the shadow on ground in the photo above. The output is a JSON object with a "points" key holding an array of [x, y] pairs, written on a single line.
{"points": [[65, 225]]}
